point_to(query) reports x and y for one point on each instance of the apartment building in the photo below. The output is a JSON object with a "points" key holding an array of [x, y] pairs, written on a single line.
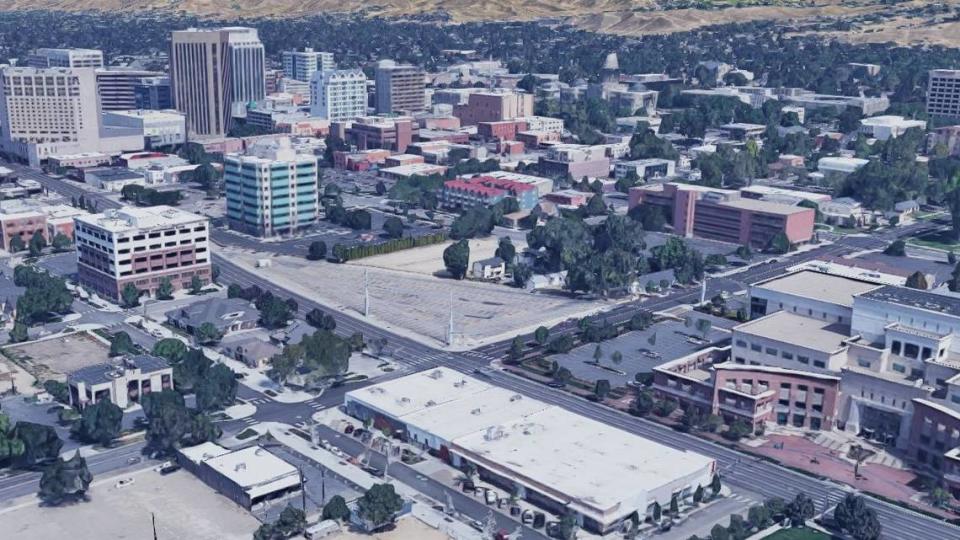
{"points": [[338, 94], [487, 191], [141, 246], [215, 72], [302, 64], [943, 93], [400, 88], [722, 214], [272, 189], [65, 58]]}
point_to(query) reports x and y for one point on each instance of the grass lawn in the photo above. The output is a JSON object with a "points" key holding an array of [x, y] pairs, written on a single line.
{"points": [[938, 240], [799, 534]]}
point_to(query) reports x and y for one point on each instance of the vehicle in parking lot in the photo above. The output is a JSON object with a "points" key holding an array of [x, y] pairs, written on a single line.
{"points": [[123, 483], [169, 469]]}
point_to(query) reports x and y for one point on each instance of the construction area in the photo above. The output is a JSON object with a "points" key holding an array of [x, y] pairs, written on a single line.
{"points": [[55, 357]]}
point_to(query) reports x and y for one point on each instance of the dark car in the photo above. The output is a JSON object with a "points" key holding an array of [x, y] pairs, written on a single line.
{"points": [[556, 384]]}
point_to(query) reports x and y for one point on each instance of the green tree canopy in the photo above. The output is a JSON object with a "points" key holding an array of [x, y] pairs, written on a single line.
{"points": [[65, 480], [456, 257], [379, 505], [99, 423]]}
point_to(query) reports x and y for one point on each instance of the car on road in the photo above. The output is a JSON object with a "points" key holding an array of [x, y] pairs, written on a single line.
{"points": [[134, 460], [170, 469], [123, 483], [556, 384]]}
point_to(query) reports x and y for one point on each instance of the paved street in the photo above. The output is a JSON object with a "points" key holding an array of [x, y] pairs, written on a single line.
{"points": [[756, 479]]}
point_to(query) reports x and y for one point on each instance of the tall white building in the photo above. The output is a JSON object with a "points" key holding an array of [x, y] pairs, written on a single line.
{"points": [[302, 64], [943, 93], [68, 58], [141, 246], [271, 190], [338, 94], [213, 73], [51, 111]]}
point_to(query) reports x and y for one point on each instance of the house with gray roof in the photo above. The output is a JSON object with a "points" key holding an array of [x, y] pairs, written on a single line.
{"points": [[227, 315]]}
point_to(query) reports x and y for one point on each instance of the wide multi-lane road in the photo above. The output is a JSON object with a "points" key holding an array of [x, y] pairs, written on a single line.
{"points": [[740, 472]]}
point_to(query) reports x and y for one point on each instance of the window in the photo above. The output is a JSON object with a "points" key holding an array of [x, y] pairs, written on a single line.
{"points": [[910, 350], [755, 347], [741, 343], [895, 347], [819, 364], [899, 368], [863, 363], [787, 355], [771, 351], [803, 359]]}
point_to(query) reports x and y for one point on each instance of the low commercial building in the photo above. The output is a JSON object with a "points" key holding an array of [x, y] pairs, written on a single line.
{"points": [[543, 185], [568, 198], [645, 169], [141, 246], [890, 126], [492, 268], [486, 191], [781, 195], [226, 315], [722, 214], [783, 339], [556, 459], [123, 383], [82, 160], [809, 293], [157, 167], [113, 178], [369, 132], [836, 168], [158, 128], [21, 221], [739, 131], [249, 476], [575, 161], [416, 169]]}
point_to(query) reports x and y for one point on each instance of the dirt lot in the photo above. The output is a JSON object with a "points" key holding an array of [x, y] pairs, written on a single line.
{"points": [[419, 305], [183, 505], [54, 358], [408, 528]]}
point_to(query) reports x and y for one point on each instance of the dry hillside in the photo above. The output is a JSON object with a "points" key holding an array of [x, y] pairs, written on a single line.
{"points": [[625, 17]]}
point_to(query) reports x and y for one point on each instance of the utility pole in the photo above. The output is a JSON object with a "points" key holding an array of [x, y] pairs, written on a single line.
{"points": [[303, 492], [450, 322], [323, 486], [366, 295], [703, 290], [153, 519]]}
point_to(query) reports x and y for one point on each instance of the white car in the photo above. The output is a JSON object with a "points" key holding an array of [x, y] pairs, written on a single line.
{"points": [[123, 483], [163, 465]]}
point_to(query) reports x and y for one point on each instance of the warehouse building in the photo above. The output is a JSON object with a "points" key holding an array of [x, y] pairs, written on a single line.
{"points": [[248, 476], [553, 458]]}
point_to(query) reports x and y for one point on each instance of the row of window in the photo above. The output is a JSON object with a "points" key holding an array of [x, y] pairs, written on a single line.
{"points": [[786, 355]]}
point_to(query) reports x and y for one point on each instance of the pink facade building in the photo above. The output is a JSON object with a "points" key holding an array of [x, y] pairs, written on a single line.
{"points": [[369, 132], [491, 106], [142, 247], [749, 393], [500, 130], [722, 214]]}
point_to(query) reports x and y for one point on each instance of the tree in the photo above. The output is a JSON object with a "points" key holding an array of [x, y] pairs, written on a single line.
{"points": [[567, 526], [800, 510], [37, 243], [674, 505], [704, 326], [207, 334], [521, 275], [16, 244], [19, 333], [738, 528], [601, 388], [291, 521], [336, 509], [317, 250], [170, 349], [506, 250], [643, 404], [168, 420], [715, 485], [856, 519], [759, 516], [379, 505], [657, 512], [779, 244], [616, 357], [951, 257], [320, 320], [516, 349], [939, 497], [917, 280], [597, 353], [196, 285], [10, 446], [393, 226], [216, 389], [897, 248], [456, 258], [698, 494], [541, 335], [61, 242], [65, 480], [274, 312], [99, 423], [954, 283], [40, 443], [737, 430], [57, 389], [130, 296], [744, 252], [164, 289]]}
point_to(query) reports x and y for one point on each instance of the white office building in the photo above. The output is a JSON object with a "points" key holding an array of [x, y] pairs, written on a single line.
{"points": [[272, 189], [301, 65], [338, 94], [888, 126], [66, 58], [943, 93], [158, 128]]}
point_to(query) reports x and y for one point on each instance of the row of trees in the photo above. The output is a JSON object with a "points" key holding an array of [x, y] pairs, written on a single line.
{"points": [[344, 253], [45, 296]]}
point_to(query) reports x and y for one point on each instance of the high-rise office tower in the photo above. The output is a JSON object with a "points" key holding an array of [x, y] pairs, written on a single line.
{"points": [[302, 64], [52, 105], [400, 88], [153, 93], [943, 93], [338, 94], [271, 190], [116, 88], [68, 58], [213, 73]]}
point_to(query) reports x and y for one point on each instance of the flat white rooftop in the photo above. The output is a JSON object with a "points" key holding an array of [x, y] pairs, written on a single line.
{"points": [[256, 470], [806, 332], [828, 288], [420, 391], [133, 218]]}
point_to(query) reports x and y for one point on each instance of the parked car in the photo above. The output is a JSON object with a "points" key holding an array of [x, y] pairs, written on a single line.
{"points": [[124, 483], [170, 469]]}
